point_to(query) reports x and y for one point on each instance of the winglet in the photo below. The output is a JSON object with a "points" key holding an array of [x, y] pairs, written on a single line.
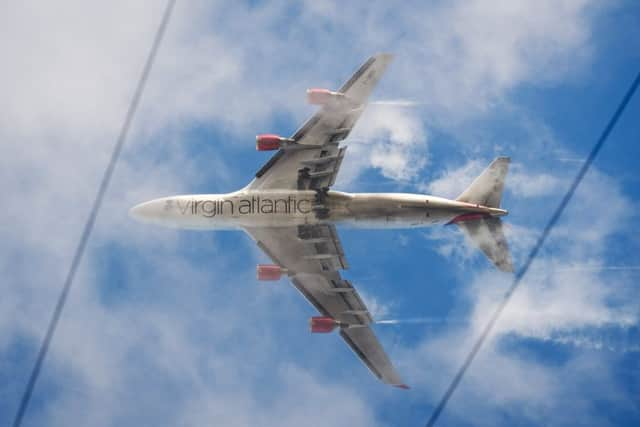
{"points": [[402, 386]]}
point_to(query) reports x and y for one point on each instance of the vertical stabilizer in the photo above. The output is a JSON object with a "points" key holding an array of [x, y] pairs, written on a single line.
{"points": [[486, 189]]}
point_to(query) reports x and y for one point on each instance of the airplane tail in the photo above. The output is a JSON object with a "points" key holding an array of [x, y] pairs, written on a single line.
{"points": [[486, 232], [486, 189]]}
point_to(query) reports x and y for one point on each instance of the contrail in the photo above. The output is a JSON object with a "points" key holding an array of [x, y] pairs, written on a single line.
{"points": [[397, 103], [610, 338], [591, 268], [415, 320], [570, 159], [595, 268], [615, 338]]}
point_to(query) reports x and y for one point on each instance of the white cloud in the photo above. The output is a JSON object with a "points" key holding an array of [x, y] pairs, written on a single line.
{"points": [[378, 309], [528, 184], [391, 140], [452, 182], [301, 397], [479, 51]]}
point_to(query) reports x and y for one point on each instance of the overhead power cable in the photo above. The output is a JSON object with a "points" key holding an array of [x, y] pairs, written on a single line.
{"points": [[534, 253], [88, 227]]}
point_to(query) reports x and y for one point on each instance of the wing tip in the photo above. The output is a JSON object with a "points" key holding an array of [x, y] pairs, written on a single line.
{"points": [[402, 386], [384, 56]]}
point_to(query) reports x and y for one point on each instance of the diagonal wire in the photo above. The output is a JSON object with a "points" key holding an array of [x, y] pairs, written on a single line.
{"points": [[88, 227], [534, 252]]}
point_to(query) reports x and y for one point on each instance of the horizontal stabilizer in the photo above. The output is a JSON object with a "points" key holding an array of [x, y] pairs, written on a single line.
{"points": [[488, 236]]}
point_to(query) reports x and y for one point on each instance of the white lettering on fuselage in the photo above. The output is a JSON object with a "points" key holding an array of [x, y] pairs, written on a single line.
{"points": [[210, 208]]}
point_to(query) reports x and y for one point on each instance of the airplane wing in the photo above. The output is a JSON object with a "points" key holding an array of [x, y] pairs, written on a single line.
{"points": [[312, 256], [316, 167]]}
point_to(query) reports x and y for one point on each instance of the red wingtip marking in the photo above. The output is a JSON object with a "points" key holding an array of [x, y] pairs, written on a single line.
{"points": [[403, 386]]}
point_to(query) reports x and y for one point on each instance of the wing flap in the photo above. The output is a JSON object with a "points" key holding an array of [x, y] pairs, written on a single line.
{"points": [[325, 242]]}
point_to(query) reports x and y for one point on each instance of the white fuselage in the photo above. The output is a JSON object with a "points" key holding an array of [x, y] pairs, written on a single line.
{"points": [[277, 208]]}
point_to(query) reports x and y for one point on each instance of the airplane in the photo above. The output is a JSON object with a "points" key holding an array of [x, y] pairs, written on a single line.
{"points": [[291, 212]]}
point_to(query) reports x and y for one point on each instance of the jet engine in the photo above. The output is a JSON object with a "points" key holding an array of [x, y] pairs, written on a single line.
{"points": [[268, 272], [322, 325], [268, 142]]}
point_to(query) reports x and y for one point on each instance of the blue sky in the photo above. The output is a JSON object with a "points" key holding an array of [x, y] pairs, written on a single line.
{"points": [[168, 327]]}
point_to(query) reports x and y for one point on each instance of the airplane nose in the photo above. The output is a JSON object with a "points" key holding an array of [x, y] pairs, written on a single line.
{"points": [[144, 211]]}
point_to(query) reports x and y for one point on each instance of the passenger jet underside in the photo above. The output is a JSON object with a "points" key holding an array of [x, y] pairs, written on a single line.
{"points": [[291, 212]]}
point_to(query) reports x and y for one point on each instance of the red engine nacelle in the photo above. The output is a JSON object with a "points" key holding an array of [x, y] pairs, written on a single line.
{"points": [[322, 96], [268, 142], [322, 325], [268, 272]]}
